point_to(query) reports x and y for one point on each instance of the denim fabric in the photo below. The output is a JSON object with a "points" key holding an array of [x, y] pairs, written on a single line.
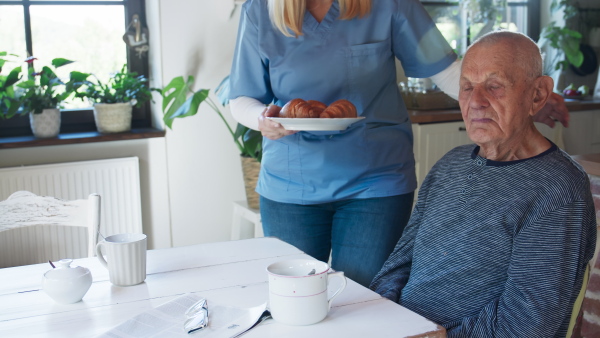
{"points": [[360, 234]]}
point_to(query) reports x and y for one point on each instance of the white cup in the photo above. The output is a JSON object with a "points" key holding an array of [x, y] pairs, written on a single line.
{"points": [[126, 258], [298, 291]]}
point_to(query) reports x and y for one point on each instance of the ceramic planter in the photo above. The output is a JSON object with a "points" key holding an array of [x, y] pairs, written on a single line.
{"points": [[46, 124], [113, 117]]}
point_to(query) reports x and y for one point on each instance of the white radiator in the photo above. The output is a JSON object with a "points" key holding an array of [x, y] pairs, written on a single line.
{"points": [[116, 180]]}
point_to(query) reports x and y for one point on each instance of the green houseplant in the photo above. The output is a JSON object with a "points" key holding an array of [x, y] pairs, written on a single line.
{"points": [[113, 100], [44, 89], [9, 103], [40, 94], [179, 100], [565, 41]]}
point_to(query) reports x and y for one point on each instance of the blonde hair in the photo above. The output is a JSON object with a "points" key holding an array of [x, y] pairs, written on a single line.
{"points": [[288, 15]]}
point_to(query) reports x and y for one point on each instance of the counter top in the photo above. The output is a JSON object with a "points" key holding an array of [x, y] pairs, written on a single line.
{"points": [[454, 115]]}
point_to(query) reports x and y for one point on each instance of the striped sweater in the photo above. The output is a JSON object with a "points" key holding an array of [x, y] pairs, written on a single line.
{"points": [[495, 249]]}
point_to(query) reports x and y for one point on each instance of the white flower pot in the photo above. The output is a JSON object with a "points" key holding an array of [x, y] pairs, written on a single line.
{"points": [[46, 124], [112, 117]]}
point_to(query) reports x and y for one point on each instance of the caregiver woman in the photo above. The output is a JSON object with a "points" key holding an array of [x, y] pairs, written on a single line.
{"points": [[346, 192]]}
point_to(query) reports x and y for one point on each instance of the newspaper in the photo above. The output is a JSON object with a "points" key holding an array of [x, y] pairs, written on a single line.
{"points": [[167, 321]]}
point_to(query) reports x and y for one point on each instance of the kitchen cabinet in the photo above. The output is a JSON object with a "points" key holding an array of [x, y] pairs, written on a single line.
{"points": [[434, 140], [583, 134]]}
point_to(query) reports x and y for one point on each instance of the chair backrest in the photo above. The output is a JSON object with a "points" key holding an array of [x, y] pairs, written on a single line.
{"points": [[588, 325], [35, 229]]}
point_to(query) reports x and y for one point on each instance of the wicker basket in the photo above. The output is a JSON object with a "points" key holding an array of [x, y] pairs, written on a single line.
{"points": [[113, 117], [251, 168]]}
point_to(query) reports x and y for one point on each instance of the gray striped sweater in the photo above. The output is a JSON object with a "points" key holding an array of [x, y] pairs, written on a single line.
{"points": [[495, 249]]}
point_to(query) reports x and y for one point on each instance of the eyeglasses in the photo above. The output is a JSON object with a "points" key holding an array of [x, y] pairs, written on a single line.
{"points": [[197, 316]]}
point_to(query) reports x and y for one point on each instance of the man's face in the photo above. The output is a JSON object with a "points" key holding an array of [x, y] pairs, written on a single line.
{"points": [[495, 95]]}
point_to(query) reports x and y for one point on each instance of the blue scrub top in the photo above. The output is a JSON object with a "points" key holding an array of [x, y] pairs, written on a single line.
{"points": [[332, 60]]}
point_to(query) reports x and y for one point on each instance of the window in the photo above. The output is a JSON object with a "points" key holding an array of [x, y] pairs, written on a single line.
{"points": [[461, 25], [89, 32]]}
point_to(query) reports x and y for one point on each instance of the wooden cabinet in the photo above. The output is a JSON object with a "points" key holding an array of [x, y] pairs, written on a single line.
{"points": [[432, 141], [553, 134]]}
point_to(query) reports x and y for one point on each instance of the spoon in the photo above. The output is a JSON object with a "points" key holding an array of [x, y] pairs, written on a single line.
{"points": [[53, 267], [104, 238], [312, 272]]}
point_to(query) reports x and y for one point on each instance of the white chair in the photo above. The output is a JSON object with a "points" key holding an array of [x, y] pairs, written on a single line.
{"points": [[244, 216], [35, 229]]}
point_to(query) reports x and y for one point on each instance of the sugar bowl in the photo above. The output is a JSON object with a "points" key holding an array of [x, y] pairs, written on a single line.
{"points": [[66, 284]]}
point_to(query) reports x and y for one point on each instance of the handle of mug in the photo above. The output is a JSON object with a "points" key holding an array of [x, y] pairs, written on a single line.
{"points": [[339, 274], [99, 254]]}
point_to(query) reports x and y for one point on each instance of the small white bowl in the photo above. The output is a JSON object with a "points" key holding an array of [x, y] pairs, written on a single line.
{"points": [[67, 284]]}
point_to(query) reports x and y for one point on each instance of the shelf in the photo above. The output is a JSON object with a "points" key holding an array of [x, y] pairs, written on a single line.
{"points": [[77, 138]]}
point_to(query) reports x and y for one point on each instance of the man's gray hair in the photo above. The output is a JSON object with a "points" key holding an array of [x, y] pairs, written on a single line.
{"points": [[527, 52]]}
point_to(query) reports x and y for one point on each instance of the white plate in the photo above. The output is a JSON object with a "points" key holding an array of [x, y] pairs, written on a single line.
{"points": [[309, 124]]}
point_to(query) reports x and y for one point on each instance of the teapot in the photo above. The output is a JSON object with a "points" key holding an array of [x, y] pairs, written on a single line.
{"points": [[67, 284]]}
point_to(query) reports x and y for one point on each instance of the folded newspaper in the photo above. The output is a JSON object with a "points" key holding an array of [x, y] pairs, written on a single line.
{"points": [[167, 321]]}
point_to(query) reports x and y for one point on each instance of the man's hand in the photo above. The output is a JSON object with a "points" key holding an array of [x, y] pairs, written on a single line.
{"points": [[271, 129], [554, 110]]}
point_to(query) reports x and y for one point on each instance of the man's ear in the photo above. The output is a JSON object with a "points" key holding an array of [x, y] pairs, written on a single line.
{"points": [[542, 90]]}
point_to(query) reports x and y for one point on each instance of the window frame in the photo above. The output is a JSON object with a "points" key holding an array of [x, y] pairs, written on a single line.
{"points": [[533, 14], [82, 120]]}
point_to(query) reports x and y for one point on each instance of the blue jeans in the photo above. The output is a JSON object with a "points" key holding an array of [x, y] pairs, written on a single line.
{"points": [[359, 233]]}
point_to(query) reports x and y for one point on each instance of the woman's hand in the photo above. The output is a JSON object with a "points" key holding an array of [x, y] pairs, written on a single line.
{"points": [[554, 110], [271, 129]]}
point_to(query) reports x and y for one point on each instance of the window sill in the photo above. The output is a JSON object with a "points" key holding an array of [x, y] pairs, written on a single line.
{"points": [[77, 138]]}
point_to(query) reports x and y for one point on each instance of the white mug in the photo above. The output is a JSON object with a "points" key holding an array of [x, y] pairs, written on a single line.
{"points": [[126, 254], [298, 291]]}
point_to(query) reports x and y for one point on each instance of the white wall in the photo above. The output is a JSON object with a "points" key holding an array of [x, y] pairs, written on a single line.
{"points": [[204, 170]]}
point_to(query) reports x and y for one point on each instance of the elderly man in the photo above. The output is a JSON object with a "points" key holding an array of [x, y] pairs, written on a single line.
{"points": [[498, 242]]}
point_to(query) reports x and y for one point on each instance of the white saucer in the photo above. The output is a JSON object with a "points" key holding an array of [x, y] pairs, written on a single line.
{"points": [[311, 124]]}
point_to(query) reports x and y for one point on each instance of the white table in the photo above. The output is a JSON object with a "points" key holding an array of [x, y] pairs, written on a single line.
{"points": [[228, 273]]}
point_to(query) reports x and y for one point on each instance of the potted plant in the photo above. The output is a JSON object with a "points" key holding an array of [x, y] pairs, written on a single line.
{"points": [[179, 100], [113, 100], [565, 41], [42, 93], [9, 103]]}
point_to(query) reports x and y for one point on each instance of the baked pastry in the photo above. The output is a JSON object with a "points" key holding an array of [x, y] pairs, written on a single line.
{"points": [[339, 109], [298, 108], [317, 107]]}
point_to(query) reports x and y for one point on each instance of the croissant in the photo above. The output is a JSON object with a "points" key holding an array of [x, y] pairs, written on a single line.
{"points": [[298, 108], [339, 109], [317, 107]]}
